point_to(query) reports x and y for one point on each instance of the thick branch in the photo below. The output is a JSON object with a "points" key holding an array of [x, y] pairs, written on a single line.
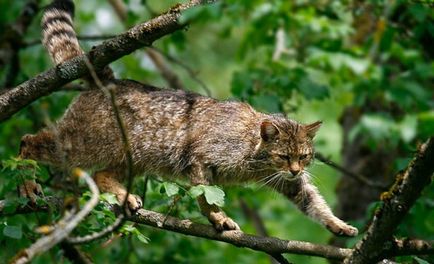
{"points": [[396, 203], [47, 82], [269, 245]]}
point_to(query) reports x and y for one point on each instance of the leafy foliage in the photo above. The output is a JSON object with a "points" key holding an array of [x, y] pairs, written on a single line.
{"points": [[310, 60]]}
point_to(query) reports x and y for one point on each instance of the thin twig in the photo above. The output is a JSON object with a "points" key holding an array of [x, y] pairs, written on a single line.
{"points": [[188, 69], [145, 189], [74, 254], [64, 226], [254, 216], [109, 91], [280, 258], [347, 172], [171, 78]]}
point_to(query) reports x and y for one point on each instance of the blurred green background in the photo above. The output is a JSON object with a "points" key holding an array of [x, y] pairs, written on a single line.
{"points": [[363, 67]]}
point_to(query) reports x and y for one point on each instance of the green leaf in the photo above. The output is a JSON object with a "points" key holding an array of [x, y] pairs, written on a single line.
{"points": [[142, 238], [128, 229], [426, 123], [408, 127], [195, 191], [13, 232], [214, 195], [312, 90], [241, 84], [171, 188], [420, 261], [191, 14], [268, 103], [10, 206], [109, 198]]}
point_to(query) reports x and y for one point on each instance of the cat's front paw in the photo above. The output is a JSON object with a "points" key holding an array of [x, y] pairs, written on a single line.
{"points": [[31, 190], [134, 202], [340, 228], [222, 222]]}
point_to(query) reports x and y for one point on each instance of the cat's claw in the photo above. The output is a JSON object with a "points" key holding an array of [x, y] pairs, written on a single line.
{"points": [[342, 229], [226, 223], [31, 190]]}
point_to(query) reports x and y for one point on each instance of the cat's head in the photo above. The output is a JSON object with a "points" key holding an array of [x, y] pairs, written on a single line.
{"points": [[288, 144]]}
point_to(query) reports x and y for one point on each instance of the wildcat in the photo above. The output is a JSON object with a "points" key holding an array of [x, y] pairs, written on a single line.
{"points": [[175, 134]]}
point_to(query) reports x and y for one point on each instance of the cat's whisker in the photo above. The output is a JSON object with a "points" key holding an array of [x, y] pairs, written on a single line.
{"points": [[281, 183], [280, 179], [269, 180], [317, 180], [275, 180], [267, 177]]}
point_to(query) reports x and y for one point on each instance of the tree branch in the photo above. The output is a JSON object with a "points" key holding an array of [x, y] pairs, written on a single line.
{"points": [[49, 81], [396, 203], [109, 92], [188, 69], [256, 219], [11, 41], [269, 245], [63, 227], [171, 78], [358, 177], [74, 254]]}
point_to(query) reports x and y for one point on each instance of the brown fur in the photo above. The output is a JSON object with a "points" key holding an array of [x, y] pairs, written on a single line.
{"points": [[185, 135]]}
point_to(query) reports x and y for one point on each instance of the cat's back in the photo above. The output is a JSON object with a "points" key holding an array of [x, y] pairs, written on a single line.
{"points": [[167, 129]]}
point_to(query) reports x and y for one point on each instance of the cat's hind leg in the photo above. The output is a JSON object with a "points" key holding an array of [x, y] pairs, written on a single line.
{"points": [[107, 181]]}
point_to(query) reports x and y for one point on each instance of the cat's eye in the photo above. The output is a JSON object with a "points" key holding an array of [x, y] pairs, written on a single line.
{"points": [[284, 157], [304, 156]]}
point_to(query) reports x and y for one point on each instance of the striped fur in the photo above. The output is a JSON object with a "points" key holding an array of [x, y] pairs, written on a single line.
{"points": [[175, 134], [59, 37]]}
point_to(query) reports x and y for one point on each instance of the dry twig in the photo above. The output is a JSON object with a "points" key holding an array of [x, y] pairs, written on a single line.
{"points": [[63, 227]]}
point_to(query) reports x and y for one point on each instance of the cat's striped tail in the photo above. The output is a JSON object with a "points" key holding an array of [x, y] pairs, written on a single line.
{"points": [[59, 37]]}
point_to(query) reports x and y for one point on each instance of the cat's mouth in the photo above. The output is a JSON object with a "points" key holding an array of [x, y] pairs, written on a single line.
{"points": [[289, 176]]}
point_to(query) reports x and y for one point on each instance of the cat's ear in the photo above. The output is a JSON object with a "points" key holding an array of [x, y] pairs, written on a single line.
{"points": [[311, 129], [268, 131]]}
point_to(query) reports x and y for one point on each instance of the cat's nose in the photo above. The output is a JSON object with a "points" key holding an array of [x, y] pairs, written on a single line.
{"points": [[295, 172]]}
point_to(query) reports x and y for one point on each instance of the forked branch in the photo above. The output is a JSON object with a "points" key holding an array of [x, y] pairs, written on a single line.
{"points": [[396, 203]]}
